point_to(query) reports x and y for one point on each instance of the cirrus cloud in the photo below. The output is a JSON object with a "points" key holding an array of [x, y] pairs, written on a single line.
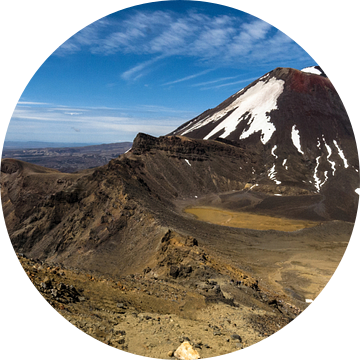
{"points": [[214, 40]]}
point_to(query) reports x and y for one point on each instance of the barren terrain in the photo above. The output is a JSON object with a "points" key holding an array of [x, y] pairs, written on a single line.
{"points": [[164, 312], [300, 270], [220, 300], [247, 220], [113, 250]]}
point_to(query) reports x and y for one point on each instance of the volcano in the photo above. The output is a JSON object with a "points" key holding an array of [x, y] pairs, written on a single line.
{"points": [[181, 213], [297, 121]]}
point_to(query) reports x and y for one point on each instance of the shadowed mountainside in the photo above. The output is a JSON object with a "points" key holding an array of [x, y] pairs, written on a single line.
{"points": [[122, 210]]}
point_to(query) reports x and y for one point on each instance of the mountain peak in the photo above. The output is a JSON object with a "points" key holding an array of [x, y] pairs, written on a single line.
{"points": [[296, 120], [256, 108]]}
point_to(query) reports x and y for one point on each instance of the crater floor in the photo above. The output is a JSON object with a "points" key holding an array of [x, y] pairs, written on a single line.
{"points": [[247, 220]]}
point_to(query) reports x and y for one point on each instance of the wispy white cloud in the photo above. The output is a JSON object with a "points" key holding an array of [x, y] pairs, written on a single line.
{"points": [[174, 38], [213, 40], [99, 123], [85, 38], [138, 71], [73, 113], [32, 103], [229, 84], [215, 81], [47, 115], [253, 37], [186, 78]]}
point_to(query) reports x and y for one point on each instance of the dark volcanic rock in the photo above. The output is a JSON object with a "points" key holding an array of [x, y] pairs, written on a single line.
{"points": [[235, 337], [174, 271], [298, 122], [180, 271]]}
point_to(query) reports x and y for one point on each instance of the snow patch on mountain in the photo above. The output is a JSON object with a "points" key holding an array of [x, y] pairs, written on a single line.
{"points": [[318, 145], [341, 154], [311, 70], [272, 175], [284, 164], [256, 102], [188, 162], [265, 76], [196, 126], [332, 163], [273, 151], [295, 137], [326, 178], [316, 178], [260, 105]]}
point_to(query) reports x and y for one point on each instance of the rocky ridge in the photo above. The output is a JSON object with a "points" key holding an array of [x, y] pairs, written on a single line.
{"points": [[168, 311]]}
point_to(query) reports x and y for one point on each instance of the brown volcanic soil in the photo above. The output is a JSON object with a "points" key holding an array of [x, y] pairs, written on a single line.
{"points": [[297, 263], [125, 222], [247, 220], [166, 311]]}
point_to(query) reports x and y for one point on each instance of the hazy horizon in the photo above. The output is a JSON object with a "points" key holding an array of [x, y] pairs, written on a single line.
{"points": [[8, 145]]}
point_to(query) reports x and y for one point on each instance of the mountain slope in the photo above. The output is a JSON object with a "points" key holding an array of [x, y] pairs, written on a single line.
{"points": [[270, 107], [127, 218], [121, 218], [123, 209], [299, 122]]}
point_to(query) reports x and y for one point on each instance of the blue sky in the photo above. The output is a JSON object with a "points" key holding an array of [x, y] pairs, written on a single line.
{"points": [[149, 69]]}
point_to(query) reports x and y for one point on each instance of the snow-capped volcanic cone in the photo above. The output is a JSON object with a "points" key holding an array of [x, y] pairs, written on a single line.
{"points": [[283, 102], [297, 122]]}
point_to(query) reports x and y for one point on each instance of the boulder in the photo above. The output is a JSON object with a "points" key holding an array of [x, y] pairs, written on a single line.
{"points": [[60, 286], [121, 306], [183, 339], [190, 241], [204, 286], [174, 271], [186, 352], [46, 284], [217, 289], [227, 295], [180, 271], [212, 282], [185, 269], [236, 337]]}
